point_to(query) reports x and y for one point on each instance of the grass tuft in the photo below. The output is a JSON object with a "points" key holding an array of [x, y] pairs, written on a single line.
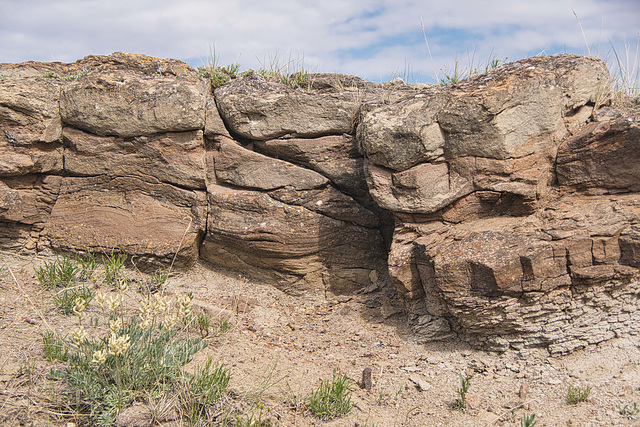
{"points": [[199, 392], [465, 385], [577, 394], [332, 398], [528, 420]]}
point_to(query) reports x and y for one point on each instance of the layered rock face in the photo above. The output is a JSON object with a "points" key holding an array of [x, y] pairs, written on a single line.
{"points": [[516, 221], [136, 154], [504, 209]]}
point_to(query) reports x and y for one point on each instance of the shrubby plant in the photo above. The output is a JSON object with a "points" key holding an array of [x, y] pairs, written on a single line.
{"points": [[139, 354]]}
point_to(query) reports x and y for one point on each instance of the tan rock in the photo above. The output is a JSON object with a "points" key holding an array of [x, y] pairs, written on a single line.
{"points": [[304, 250], [175, 158], [334, 156], [256, 108], [241, 167], [130, 215], [128, 104]]}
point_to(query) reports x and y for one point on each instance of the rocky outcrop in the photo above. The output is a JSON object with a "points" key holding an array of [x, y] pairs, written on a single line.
{"points": [[503, 209], [511, 211], [137, 154]]}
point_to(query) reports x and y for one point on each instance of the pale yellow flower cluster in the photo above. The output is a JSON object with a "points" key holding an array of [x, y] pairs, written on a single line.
{"points": [[80, 304], [151, 309], [118, 345], [78, 335], [185, 306], [99, 357]]}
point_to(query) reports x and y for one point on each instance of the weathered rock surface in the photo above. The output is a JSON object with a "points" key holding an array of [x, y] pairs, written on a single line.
{"points": [[334, 156], [175, 158], [151, 220], [255, 108], [513, 196], [293, 245], [488, 244], [241, 167], [604, 155]]}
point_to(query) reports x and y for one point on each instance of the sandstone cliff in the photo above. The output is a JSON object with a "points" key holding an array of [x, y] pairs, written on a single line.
{"points": [[503, 209]]}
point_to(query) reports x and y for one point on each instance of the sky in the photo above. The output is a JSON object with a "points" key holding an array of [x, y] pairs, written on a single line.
{"points": [[419, 41]]}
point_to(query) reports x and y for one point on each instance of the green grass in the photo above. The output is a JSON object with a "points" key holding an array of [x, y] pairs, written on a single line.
{"points": [[54, 347], [465, 385], [577, 394], [257, 418], [60, 273], [113, 265], [629, 410], [290, 72], [66, 299], [199, 392], [528, 420], [332, 398]]}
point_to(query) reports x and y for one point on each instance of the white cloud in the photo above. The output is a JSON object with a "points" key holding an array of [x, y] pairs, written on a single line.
{"points": [[368, 38]]}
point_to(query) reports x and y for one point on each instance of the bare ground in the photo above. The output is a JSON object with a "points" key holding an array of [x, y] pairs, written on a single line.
{"points": [[280, 347]]}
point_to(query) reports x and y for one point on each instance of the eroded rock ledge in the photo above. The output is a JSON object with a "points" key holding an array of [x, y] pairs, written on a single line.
{"points": [[503, 209]]}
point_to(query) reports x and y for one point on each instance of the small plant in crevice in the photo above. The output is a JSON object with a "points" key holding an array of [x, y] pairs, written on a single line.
{"points": [[332, 398], [577, 394], [465, 385], [217, 74], [68, 78], [528, 420], [628, 410]]}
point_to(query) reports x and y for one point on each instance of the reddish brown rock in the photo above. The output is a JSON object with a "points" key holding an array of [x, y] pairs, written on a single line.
{"points": [[25, 206], [604, 155]]}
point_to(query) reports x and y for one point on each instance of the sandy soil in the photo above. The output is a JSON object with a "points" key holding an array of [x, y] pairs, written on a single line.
{"points": [[280, 347]]}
